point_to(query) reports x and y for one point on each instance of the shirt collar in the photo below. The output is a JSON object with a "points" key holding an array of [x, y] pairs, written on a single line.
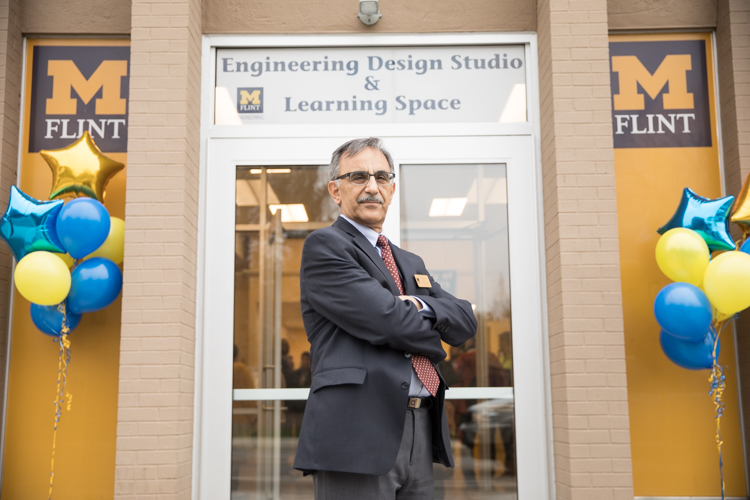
{"points": [[367, 232]]}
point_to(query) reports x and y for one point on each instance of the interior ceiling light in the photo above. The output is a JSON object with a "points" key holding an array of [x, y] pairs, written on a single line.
{"points": [[258, 171], [369, 13], [294, 212], [447, 207]]}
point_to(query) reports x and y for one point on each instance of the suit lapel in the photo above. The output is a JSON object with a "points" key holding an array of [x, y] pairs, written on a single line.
{"points": [[369, 250]]}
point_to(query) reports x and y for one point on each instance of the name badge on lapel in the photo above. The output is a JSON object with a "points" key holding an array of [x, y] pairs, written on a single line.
{"points": [[423, 281]]}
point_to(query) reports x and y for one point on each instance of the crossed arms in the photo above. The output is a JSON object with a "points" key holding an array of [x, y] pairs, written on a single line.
{"points": [[340, 289]]}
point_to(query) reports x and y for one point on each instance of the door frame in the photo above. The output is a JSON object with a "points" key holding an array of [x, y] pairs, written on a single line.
{"points": [[224, 144]]}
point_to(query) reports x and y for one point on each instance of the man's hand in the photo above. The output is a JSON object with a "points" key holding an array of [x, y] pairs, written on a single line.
{"points": [[412, 299]]}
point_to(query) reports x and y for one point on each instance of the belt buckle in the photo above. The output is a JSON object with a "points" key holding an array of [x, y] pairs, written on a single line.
{"points": [[415, 402]]}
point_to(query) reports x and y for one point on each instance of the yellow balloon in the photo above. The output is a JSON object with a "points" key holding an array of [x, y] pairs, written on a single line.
{"points": [[113, 247], [720, 316], [42, 278], [682, 254], [69, 261], [727, 282]]}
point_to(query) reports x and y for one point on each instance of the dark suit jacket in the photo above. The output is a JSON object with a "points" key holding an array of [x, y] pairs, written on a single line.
{"points": [[362, 336]]}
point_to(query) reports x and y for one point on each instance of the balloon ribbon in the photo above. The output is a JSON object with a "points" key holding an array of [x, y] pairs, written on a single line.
{"points": [[717, 381], [62, 376]]}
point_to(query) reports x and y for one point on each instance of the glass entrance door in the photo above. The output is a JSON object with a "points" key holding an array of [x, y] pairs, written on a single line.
{"points": [[466, 206], [456, 218]]}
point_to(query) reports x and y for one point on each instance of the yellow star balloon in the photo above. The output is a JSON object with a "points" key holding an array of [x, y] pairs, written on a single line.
{"points": [[741, 208], [80, 169]]}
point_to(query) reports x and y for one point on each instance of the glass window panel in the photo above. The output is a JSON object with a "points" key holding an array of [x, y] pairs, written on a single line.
{"points": [[483, 444], [482, 441], [275, 209], [456, 218], [254, 473]]}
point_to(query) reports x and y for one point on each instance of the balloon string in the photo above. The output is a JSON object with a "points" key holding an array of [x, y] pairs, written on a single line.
{"points": [[717, 381], [62, 377], [741, 241]]}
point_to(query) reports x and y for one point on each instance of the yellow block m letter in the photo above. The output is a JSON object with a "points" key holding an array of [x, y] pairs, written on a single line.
{"points": [[248, 98], [673, 69], [66, 76]]}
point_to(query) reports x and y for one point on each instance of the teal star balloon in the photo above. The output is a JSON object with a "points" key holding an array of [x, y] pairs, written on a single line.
{"points": [[709, 218], [30, 225]]}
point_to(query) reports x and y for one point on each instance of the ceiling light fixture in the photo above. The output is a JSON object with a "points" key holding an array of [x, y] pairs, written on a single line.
{"points": [[293, 212], [258, 171]]}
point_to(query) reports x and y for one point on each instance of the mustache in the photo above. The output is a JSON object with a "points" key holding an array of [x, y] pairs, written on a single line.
{"points": [[371, 197]]}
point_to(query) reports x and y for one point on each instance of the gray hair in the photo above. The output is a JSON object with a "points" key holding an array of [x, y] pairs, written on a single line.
{"points": [[353, 148]]}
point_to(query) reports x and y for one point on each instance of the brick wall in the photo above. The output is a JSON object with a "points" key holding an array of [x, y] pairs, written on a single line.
{"points": [[155, 417], [587, 354], [11, 54], [733, 48]]}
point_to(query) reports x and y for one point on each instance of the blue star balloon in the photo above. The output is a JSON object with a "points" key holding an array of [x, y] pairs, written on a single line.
{"points": [[709, 218], [30, 225]]}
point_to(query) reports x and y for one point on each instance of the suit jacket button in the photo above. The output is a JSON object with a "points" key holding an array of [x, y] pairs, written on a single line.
{"points": [[407, 355], [405, 385]]}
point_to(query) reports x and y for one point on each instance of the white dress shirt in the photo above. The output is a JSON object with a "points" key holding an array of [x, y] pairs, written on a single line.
{"points": [[416, 388]]}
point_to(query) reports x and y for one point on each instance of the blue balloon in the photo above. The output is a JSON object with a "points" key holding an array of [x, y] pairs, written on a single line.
{"points": [[49, 320], [690, 355], [95, 284], [745, 246], [684, 311], [28, 224], [82, 226]]}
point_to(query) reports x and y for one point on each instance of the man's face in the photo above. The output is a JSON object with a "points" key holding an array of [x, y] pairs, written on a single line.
{"points": [[366, 204]]}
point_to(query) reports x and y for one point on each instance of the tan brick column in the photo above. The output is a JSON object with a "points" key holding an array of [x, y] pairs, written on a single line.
{"points": [[155, 416], [587, 355], [11, 55], [733, 48]]}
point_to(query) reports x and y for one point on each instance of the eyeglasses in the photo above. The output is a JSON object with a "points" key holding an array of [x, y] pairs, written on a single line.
{"points": [[361, 178]]}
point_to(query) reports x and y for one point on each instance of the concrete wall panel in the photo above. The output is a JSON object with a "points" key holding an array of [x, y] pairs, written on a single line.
{"points": [[76, 17], [661, 14], [339, 16]]}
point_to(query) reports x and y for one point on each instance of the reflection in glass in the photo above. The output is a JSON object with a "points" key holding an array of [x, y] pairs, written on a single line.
{"points": [[456, 218], [484, 450], [481, 447], [275, 209], [255, 466]]}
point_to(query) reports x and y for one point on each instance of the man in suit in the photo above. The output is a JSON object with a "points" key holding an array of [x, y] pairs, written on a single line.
{"points": [[374, 421]]}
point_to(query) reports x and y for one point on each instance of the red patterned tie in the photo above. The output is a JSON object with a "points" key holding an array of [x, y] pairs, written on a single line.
{"points": [[425, 371]]}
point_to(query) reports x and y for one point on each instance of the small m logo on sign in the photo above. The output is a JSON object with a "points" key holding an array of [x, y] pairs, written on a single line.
{"points": [[250, 100]]}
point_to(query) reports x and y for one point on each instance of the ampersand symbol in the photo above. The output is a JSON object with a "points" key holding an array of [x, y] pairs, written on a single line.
{"points": [[371, 84]]}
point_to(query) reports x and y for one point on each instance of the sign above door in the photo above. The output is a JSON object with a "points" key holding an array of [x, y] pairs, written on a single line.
{"points": [[460, 84]]}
